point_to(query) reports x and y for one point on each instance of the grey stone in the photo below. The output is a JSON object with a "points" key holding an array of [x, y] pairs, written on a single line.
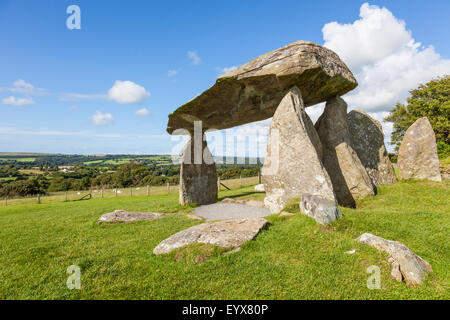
{"points": [[367, 139], [349, 177], [292, 165], [224, 211], [253, 91], [413, 268], [417, 156], [198, 177], [126, 216], [227, 234], [322, 210]]}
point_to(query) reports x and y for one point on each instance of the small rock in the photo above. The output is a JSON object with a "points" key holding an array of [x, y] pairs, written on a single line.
{"points": [[350, 252], [412, 268], [193, 216], [233, 251], [125, 216], [254, 203], [228, 200], [228, 233], [286, 214], [322, 210], [259, 187]]}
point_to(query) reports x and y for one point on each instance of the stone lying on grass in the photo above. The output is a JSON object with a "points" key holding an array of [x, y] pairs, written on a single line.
{"points": [[228, 234], [322, 210], [126, 216], [406, 265]]}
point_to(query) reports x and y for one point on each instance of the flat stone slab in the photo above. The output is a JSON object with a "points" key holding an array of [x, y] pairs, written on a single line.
{"points": [[253, 91], [406, 265], [228, 234], [126, 216], [222, 211]]}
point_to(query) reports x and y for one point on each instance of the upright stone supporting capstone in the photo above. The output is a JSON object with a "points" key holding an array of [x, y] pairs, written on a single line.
{"points": [[367, 139], [293, 164], [417, 156], [349, 177], [198, 176]]}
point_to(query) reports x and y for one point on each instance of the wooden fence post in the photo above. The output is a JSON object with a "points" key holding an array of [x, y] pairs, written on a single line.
{"points": [[168, 188], [101, 193], [148, 190], [259, 176], [115, 192], [218, 183], [131, 191], [39, 198], [240, 180], [65, 197], [6, 201]]}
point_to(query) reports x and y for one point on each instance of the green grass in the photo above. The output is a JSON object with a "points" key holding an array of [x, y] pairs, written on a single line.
{"points": [[294, 258]]}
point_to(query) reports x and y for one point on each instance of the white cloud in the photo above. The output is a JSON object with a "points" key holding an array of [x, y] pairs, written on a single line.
{"points": [[81, 96], [385, 59], [194, 57], [23, 87], [125, 92], [142, 112], [102, 119], [172, 73], [17, 102]]}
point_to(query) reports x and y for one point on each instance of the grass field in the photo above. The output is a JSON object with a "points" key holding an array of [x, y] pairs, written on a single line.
{"points": [[294, 258]]}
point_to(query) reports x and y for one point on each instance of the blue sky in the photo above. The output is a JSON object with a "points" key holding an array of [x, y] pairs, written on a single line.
{"points": [[54, 82]]}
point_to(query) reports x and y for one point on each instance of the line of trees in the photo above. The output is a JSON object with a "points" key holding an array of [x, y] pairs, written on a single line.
{"points": [[131, 174]]}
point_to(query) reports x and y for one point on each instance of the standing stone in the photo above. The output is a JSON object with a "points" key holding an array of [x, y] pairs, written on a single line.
{"points": [[349, 177], [198, 176], [367, 139], [417, 156], [293, 164]]}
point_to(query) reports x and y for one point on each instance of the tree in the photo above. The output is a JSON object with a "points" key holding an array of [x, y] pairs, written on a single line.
{"points": [[431, 100]]}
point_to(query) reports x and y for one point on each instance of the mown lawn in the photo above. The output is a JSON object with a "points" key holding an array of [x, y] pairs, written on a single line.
{"points": [[294, 258]]}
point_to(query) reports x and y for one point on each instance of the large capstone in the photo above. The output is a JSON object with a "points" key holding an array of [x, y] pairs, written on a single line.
{"points": [[253, 91], [293, 164], [198, 176], [417, 156], [367, 139], [349, 177]]}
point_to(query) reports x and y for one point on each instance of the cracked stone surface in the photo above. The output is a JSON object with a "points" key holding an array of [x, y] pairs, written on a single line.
{"points": [[406, 265], [126, 216], [228, 234]]}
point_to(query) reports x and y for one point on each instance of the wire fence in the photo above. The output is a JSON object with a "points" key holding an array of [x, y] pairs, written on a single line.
{"points": [[167, 189]]}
